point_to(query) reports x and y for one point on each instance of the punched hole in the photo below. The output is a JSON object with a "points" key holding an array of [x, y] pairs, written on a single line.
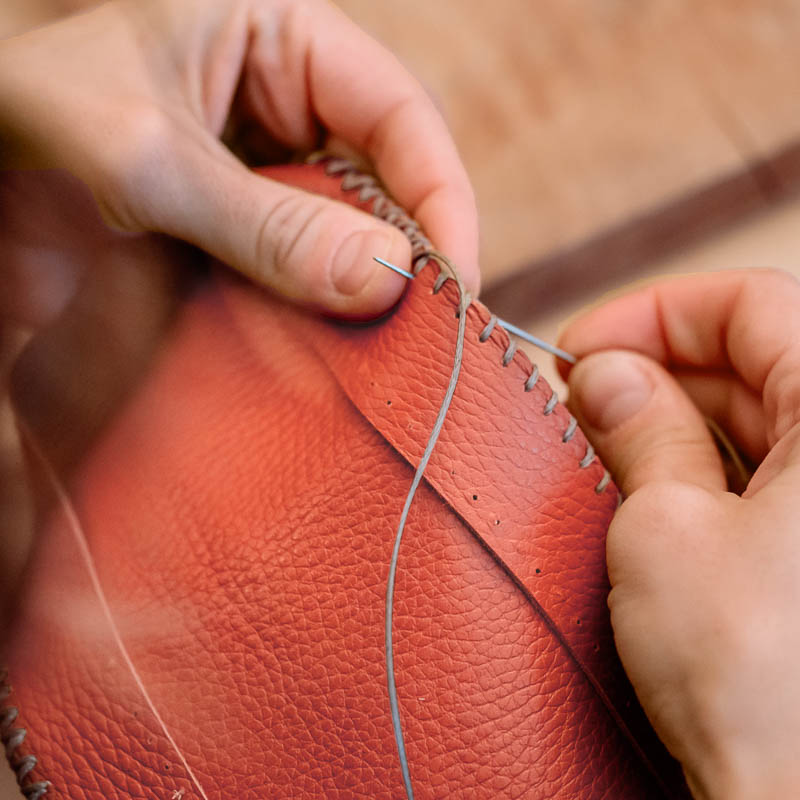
{"points": [[538, 571], [388, 402], [474, 497]]}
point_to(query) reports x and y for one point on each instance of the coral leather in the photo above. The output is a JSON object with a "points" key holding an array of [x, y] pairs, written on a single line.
{"points": [[239, 513]]}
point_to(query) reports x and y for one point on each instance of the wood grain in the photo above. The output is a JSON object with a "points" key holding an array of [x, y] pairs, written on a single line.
{"points": [[600, 133], [770, 238]]}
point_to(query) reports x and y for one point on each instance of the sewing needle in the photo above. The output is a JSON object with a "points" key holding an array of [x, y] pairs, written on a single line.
{"points": [[512, 329]]}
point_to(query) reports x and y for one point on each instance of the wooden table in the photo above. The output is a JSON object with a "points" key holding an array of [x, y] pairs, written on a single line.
{"points": [[600, 134]]}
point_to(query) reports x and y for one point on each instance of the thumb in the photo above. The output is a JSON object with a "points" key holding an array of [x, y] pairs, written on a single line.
{"points": [[642, 423], [309, 248]]}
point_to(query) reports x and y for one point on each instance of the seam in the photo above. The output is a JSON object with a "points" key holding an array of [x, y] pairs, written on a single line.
{"points": [[387, 210], [12, 738], [369, 189], [611, 709]]}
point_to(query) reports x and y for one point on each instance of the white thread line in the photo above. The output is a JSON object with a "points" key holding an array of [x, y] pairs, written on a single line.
{"points": [[390, 581], [83, 546]]}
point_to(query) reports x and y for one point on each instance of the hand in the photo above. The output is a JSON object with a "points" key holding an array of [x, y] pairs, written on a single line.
{"points": [[705, 584], [132, 98]]}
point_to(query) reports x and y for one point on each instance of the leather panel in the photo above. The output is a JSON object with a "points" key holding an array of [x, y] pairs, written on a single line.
{"points": [[240, 511]]}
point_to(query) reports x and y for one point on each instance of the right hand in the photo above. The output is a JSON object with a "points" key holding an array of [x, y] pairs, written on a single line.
{"points": [[705, 598]]}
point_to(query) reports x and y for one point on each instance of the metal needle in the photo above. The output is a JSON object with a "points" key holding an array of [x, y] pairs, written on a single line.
{"points": [[513, 329]]}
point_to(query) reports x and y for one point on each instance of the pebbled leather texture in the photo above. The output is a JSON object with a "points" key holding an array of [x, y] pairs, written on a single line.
{"points": [[239, 511]]}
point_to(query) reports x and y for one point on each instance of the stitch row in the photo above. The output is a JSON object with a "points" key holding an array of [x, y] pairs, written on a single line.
{"points": [[552, 402], [385, 209], [12, 738]]}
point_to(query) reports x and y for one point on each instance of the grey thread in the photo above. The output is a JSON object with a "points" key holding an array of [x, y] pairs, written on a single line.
{"points": [[384, 208], [12, 738], [421, 251], [15, 738], [26, 764], [463, 304], [487, 331], [439, 282], [419, 263], [588, 458], [523, 334], [550, 404], [509, 353], [387, 210], [532, 378], [604, 481], [530, 382]]}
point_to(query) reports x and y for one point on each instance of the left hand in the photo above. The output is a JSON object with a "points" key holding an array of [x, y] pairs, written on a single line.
{"points": [[132, 98]]}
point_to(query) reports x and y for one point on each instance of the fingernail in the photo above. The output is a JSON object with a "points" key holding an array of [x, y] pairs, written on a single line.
{"points": [[353, 265], [610, 388]]}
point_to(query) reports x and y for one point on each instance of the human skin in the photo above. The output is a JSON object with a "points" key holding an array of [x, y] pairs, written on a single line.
{"points": [[133, 96], [705, 583]]}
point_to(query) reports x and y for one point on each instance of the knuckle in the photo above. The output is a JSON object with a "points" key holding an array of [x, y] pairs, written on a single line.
{"points": [[135, 167], [288, 233]]}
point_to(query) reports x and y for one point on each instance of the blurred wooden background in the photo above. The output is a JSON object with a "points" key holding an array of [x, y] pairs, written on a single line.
{"points": [[601, 135], [606, 140]]}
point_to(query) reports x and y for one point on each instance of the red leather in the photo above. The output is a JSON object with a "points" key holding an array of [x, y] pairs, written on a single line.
{"points": [[240, 510]]}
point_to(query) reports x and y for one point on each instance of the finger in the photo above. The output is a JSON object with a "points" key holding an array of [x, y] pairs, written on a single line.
{"points": [[779, 472], [642, 424], [309, 248], [744, 321], [736, 408], [334, 73]]}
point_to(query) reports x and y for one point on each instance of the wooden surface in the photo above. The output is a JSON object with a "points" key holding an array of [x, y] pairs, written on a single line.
{"points": [[770, 238], [601, 134]]}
